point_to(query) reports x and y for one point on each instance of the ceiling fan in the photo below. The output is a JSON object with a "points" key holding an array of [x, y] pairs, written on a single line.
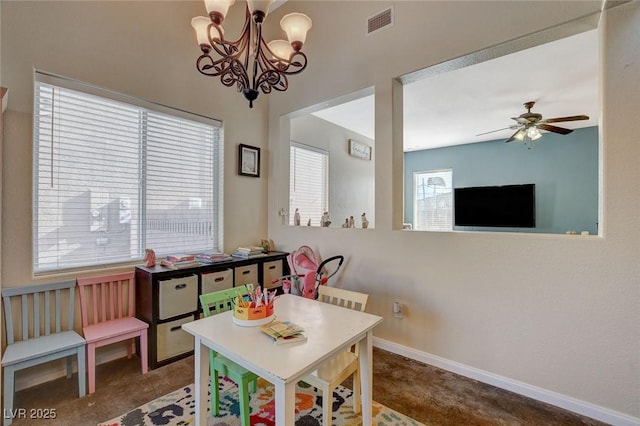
{"points": [[529, 124]]}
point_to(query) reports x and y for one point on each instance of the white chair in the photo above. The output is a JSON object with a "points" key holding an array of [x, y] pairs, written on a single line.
{"points": [[336, 370]]}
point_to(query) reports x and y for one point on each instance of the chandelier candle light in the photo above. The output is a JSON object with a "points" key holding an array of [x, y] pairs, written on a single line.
{"points": [[249, 62]]}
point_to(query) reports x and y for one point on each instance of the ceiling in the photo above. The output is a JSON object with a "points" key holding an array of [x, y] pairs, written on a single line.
{"points": [[453, 107]]}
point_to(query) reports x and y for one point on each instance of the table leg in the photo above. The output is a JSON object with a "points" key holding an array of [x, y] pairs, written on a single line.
{"points": [[201, 382], [285, 403], [366, 377]]}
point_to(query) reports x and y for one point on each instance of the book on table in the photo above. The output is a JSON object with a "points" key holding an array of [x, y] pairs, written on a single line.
{"points": [[284, 332]]}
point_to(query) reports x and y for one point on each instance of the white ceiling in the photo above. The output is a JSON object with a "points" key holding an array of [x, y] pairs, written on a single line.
{"points": [[453, 107]]}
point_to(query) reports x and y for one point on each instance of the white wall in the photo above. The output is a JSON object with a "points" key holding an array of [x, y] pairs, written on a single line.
{"points": [[351, 180], [553, 313]]}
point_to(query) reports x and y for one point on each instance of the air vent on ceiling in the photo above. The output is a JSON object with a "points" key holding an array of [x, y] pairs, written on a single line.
{"points": [[380, 21]]}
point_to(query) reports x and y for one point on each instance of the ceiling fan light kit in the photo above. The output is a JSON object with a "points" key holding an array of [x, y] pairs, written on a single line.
{"points": [[249, 62], [530, 124]]}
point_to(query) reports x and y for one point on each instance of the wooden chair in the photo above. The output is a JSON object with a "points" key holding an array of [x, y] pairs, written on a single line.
{"points": [[212, 304], [108, 316], [48, 340], [336, 370]]}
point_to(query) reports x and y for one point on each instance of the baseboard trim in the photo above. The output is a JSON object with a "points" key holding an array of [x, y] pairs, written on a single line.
{"points": [[563, 401]]}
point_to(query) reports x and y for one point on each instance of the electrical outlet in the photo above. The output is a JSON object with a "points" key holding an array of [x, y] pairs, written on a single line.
{"points": [[397, 310]]}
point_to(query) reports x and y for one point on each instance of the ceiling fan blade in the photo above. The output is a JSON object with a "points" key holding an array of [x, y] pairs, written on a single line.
{"points": [[554, 129], [499, 130], [513, 136], [570, 118]]}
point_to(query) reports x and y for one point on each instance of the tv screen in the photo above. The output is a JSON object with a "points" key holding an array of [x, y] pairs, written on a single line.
{"points": [[499, 206]]}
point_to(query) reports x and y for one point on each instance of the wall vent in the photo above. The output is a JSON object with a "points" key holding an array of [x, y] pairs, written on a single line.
{"points": [[380, 21]]}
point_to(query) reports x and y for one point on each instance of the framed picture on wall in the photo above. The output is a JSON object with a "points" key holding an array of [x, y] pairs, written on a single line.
{"points": [[359, 150], [248, 160]]}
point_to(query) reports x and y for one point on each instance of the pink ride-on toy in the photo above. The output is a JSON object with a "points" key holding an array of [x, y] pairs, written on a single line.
{"points": [[306, 274]]}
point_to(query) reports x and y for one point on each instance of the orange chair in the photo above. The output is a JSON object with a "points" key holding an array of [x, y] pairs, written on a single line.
{"points": [[108, 316]]}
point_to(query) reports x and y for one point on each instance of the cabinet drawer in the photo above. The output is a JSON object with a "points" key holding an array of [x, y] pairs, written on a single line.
{"points": [[246, 275], [177, 296], [271, 271], [172, 339], [214, 281]]}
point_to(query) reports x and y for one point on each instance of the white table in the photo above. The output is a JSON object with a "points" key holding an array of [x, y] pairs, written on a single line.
{"points": [[329, 329]]}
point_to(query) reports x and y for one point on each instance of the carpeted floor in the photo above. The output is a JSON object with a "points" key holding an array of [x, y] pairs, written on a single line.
{"points": [[178, 408], [424, 393]]}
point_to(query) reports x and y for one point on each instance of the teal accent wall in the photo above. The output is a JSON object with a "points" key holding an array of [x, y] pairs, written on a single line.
{"points": [[564, 169]]}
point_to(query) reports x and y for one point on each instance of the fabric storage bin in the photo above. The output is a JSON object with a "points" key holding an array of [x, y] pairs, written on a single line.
{"points": [[177, 296], [172, 340], [246, 275], [214, 281], [271, 271]]}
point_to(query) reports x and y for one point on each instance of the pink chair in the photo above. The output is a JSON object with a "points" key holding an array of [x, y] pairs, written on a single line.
{"points": [[108, 316]]}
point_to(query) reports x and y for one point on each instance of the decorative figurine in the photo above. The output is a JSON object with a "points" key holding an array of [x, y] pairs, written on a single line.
{"points": [[346, 223], [365, 221], [351, 222], [309, 222], [296, 218], [325, 221], [149, 258]]}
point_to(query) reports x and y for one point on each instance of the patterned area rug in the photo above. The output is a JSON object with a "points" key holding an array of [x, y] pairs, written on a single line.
{"points": [[177, 408]]}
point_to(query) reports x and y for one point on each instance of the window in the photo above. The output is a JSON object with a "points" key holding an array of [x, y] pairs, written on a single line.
{"points": [[433, 200], [114, 175], [308, 183]]}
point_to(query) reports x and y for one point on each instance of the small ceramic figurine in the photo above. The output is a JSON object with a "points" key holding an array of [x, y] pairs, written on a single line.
{"points": [[351, 222], [296, 218], [346, 223], [149, 258], [365, 221], [325, 221]]}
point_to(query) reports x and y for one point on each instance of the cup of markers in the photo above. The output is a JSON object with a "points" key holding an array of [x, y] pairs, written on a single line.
{"points": [[255, 306]]}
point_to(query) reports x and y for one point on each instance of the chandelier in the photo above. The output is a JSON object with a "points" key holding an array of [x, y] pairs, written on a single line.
{"points": [[249, 63]]}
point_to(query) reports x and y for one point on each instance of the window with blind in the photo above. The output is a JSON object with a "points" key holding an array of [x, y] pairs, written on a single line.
{"points": [[308, 183], [433, 200], [114, 175]]}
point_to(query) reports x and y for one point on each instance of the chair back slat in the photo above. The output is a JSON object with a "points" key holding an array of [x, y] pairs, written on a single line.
{"points": [[72, 304], [59, 309], [25, 318], [106, 301], [131, 299], [47, 312], [34, 302], [36, 315], [8, 319], [113, 306]]}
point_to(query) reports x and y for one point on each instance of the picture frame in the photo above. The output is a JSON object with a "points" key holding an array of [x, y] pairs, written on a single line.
{"points": [[248, 160], [359, 150]]}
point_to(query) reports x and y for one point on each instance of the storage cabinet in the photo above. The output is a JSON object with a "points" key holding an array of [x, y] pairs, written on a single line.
{"points": [[167, 298]]}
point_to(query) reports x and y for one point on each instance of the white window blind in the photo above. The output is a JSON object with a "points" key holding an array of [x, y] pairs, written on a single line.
{"points": [[113, 178], [433, 200], [308, 183]]}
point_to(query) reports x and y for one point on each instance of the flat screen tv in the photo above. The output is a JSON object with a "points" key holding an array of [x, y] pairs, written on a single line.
{"points": [[496, 206]]}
